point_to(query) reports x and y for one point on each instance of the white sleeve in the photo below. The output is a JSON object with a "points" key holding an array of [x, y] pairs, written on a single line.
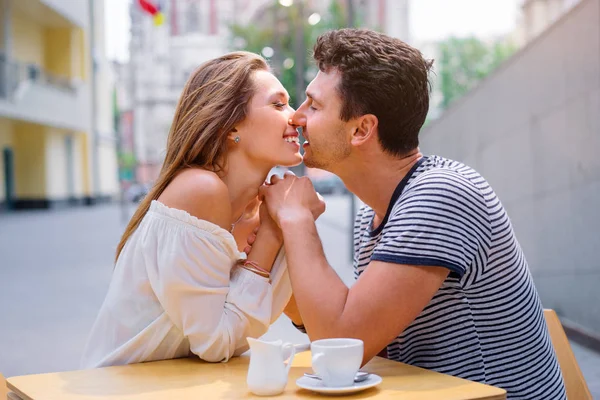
{"points": [[281, 288], [214, 307]]}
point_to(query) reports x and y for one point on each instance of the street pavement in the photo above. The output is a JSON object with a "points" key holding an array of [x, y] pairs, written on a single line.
{"points": [[55, 267]]}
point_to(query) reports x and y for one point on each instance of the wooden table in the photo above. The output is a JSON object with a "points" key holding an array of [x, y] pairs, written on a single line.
{"points": [[197, 380]]}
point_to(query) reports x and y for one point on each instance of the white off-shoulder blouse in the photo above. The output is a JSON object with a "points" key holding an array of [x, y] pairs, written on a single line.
{"points": [[174, 291]]}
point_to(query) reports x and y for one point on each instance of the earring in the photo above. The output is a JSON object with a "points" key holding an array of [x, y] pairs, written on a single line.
{"points": [[237, 139]]}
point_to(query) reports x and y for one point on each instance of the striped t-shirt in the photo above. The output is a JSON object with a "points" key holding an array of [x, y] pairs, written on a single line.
{"points": [[486, 322]]}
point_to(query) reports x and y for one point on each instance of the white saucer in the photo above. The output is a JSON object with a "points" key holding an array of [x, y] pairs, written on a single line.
{"points": [[317, 386]]}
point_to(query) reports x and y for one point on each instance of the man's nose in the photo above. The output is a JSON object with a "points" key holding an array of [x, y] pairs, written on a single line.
{"points": [[298, 119]]}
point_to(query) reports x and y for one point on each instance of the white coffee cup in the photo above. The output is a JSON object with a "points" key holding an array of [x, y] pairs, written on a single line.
{"points": [[337, 361]]}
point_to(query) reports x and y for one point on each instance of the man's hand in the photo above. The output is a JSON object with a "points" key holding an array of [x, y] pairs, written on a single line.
{"points": [[291, 197]]}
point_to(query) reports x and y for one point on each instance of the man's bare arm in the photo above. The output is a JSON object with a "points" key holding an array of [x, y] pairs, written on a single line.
{"points": [[382, 303]]}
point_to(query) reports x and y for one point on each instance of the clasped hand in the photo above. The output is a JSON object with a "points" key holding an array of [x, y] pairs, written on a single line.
{"points": [[284, 199]]}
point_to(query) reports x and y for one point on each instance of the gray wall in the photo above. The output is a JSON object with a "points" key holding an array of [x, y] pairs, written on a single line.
{"points": [[532, 129]]}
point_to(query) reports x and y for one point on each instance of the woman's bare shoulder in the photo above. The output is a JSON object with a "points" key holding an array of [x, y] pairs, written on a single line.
{"points": [[202, 194]]}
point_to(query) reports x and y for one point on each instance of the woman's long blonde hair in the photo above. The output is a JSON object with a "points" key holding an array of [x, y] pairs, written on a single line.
{"points": [[214, 99]]}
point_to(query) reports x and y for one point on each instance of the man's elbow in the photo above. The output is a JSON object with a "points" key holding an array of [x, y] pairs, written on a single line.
{"points": [[367, 356], [334, 331]]}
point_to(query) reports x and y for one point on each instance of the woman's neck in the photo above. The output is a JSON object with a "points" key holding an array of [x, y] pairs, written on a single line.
{"points": [[243, 180]]}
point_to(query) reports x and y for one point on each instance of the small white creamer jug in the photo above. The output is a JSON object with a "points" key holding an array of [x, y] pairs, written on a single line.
{"points": [[268, 373]]}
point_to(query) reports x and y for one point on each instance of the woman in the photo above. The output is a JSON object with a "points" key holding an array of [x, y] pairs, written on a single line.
{"points": [[178, 286]]}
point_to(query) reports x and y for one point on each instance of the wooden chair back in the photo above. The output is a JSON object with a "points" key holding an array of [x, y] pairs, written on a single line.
{"points": [[575, 384]]}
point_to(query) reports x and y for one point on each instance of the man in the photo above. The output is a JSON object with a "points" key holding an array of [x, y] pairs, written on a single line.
{"points": [[442, 282]]}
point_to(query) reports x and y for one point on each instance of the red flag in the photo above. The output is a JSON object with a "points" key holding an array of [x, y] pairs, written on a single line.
{"points": [[148, 6]]}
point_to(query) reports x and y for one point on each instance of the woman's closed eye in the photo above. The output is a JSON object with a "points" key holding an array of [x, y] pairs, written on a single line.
{"points": [[280, 105]]}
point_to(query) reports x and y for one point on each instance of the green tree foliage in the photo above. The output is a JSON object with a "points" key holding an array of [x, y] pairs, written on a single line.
{"points": [[466, 61], [276, 28]]}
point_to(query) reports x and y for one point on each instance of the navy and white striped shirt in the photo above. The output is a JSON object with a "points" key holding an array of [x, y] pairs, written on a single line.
{"points": [[486, 322]]}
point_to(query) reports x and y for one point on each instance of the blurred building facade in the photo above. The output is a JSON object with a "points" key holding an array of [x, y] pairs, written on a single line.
{"points": [[388, 16], [57, 142], [161, 60], [163, 57]]}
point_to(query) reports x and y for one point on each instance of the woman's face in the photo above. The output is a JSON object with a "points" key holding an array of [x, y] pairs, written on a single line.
{"points": [[265, 135]]}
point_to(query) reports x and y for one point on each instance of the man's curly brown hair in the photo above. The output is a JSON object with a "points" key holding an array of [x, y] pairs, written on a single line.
{"points": [[380, 75]]}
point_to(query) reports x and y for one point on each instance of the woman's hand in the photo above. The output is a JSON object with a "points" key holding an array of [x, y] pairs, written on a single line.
{"points": [[250, 240], [247, 225], [266, 226], [267, 223]]}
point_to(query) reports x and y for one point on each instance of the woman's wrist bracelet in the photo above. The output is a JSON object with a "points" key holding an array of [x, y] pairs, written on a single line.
{"points": [[255, 271], [252, 266], [255, 265]]}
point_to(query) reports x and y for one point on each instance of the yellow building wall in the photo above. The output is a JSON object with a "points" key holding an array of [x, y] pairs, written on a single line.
{"points": [[80, 56], [58, 51], [42, 163], [61, 51], [2, 14], [27, 40], [41, 159], [66, 52], [30, 160], [58, 171], [85, 149], [5, 140]]}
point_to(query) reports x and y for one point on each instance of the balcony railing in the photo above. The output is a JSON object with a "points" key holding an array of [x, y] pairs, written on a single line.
{"points": [[13, 73]]}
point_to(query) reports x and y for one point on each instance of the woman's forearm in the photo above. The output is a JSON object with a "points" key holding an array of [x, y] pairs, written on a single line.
{"points": [[265, 248]]}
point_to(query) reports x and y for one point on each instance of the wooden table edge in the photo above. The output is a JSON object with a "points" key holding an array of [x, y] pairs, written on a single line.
{"points": [[501, 395]]}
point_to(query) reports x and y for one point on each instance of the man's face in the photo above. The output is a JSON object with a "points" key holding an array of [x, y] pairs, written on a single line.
{"points": [[328, 141]]}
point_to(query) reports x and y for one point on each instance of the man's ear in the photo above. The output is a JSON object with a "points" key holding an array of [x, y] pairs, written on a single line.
{"points": [[365, 129]]}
